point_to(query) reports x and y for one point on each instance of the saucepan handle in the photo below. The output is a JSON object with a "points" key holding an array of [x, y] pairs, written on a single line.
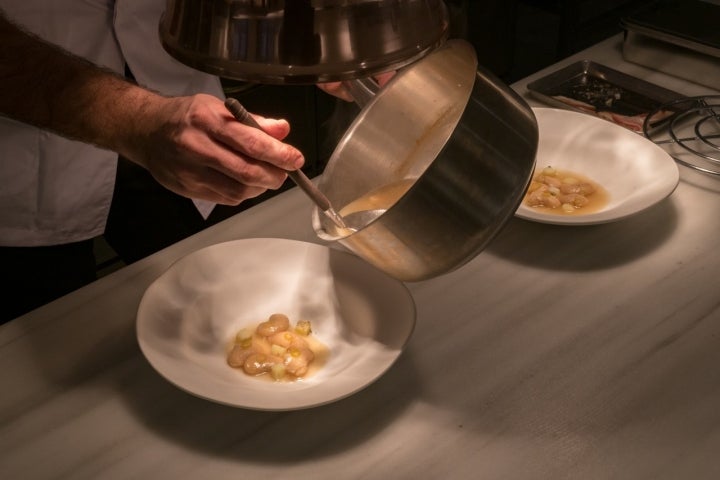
{"points": [[363, 90]]}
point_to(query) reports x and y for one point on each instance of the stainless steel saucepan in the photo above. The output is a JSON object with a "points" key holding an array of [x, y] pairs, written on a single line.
{"points": [[444, 153]]}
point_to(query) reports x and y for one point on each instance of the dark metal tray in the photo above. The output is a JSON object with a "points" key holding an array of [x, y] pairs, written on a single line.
{"points": [[589, 87]]}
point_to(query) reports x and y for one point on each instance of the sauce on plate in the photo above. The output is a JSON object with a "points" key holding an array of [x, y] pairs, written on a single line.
{"points": [[563, 192]]}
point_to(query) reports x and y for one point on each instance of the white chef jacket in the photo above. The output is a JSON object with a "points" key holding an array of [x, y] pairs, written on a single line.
{"points": [[54, 190]]}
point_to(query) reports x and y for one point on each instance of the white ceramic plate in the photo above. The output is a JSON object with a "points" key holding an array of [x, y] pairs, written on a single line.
{"points": [[636, 173], [188, 316]]}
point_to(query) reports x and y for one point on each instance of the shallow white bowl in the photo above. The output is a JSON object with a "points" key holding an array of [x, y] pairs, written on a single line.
{"points": [[188, 316], [636, 173]]}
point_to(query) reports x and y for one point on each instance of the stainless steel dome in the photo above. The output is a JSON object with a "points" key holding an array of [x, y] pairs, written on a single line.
{"points": [[301, 41]]}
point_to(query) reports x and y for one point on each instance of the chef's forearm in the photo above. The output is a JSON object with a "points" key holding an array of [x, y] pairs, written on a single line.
{"points": [[47, 87]]}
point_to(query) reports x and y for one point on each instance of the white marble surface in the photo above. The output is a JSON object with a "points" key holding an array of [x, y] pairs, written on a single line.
{"points": [[558, 352]]}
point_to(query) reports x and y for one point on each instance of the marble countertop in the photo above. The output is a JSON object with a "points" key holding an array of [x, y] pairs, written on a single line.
{"points": [[558, 352]]}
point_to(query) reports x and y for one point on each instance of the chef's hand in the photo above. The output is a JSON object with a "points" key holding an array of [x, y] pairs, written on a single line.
{"points": [[195, 147], [337, 89], [191, 145]]}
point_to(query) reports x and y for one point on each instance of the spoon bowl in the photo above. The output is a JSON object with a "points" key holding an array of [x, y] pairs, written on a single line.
{"points": [[353, 222]]}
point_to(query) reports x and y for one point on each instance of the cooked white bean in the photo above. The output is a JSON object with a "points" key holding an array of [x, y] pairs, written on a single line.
{"points": [[548, 180], [543, 198], [297, 360], [574, 199], [237, 356], [259, 363], [276, 323], [583, 188], [288, 339]]}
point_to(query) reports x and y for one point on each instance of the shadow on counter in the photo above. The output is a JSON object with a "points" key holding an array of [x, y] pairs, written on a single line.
{"points": [[281, 439], [583, 248]]}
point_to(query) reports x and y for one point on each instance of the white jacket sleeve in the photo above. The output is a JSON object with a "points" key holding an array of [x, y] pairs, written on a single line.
{"points": [[136, 25]]}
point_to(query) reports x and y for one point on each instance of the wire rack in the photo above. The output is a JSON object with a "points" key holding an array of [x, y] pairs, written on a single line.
{"points": [[689, 131]]}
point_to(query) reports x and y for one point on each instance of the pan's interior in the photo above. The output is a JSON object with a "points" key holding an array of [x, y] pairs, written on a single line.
{"points": [[402, 130]]}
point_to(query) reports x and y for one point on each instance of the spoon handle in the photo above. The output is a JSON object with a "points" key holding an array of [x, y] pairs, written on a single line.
{"points": [[302, 181]]}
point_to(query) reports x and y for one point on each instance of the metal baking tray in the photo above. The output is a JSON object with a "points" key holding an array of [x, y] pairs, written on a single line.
{"points": [[592, 88]]}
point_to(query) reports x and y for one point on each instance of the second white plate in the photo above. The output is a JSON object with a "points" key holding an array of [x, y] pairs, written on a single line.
{"points": [[636, 173]]}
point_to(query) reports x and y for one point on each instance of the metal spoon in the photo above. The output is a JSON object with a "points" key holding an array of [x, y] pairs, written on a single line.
{"points": [[302, 181], [355, 221]]}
